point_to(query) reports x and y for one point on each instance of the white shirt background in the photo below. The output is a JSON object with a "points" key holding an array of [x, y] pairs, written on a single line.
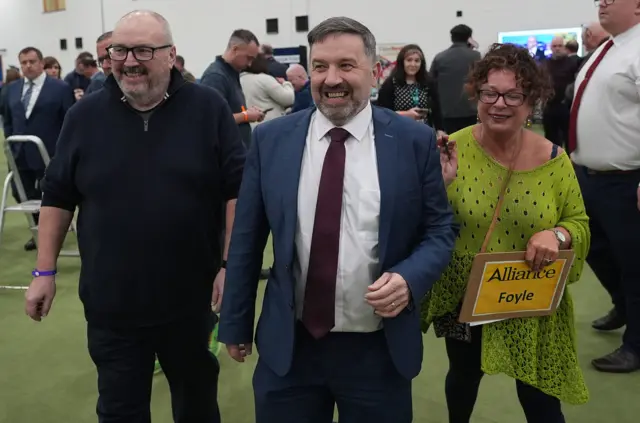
{"points": [[37, 87], [609, 116], [358, 264]]}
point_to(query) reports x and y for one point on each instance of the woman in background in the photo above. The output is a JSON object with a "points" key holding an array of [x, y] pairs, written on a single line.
{"points": [[409, 90], [52, 67], [272, 96], [511, 190]]}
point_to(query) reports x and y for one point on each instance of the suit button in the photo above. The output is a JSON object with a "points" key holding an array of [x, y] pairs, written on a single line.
{"points": [[291, 305]]}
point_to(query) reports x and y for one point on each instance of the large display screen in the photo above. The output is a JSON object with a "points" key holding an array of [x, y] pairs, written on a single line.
{"points": [[538, 41]]}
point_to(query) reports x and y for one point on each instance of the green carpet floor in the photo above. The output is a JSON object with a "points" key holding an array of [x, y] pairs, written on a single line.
{"points": [[46, 375]]}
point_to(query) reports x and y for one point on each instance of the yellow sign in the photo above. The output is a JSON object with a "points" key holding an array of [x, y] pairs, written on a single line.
{"points": [[503, 286]]}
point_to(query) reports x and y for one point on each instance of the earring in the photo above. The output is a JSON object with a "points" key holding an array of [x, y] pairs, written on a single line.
{"points": [[478, 119], [529, 122]]}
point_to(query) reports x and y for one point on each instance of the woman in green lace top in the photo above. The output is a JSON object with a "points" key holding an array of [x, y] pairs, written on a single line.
{"points": [[542, 213]]}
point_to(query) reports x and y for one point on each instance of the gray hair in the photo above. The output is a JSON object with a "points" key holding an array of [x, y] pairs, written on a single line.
{"points": [[343, 25], [166, 28]]}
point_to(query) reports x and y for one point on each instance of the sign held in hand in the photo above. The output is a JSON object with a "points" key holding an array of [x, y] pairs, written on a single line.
{"points": [[503, 286]]}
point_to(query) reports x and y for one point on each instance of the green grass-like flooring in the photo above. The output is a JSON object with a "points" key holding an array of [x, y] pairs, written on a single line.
{"points": [[46, 375]]}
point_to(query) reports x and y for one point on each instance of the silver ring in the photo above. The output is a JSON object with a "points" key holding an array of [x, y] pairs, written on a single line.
{"points": [[548, 261]]}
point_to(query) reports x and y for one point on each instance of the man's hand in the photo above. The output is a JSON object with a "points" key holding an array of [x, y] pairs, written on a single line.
{"points": [[218, 290], [389, 295], [255, 115], [39, 297], [239, 352], [448, 157]]}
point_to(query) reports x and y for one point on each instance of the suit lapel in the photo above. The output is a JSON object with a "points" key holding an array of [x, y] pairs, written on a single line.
{"points": [[43, 91], [292, 152], [18, 93], [386, 152]]}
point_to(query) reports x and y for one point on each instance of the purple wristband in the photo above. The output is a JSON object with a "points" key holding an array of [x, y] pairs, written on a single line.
{"points": [[37, 273]]}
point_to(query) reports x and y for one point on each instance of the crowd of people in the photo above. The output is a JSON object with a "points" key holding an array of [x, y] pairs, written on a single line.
{"points": [[375, 214]]}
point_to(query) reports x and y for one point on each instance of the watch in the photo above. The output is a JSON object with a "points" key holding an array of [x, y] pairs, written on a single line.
{"points": [[559, 236]]}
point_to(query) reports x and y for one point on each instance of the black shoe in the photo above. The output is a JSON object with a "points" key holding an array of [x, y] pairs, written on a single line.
{"points": [[621, 360], [611, 321], [30, 245], [264, 274]]}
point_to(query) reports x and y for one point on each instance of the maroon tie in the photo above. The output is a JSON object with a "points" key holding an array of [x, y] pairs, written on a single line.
{"points": [[318, 314], [573, 117]]}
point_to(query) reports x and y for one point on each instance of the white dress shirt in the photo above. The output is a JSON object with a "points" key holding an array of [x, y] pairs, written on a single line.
{"points": [[37, 87], [358, 264], [608, 127]]}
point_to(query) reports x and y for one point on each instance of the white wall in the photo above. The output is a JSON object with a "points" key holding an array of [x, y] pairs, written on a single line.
{"points": [[202, 27]]}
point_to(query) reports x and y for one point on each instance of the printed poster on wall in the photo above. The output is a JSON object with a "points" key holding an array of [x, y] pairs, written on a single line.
{"points": [[387, 55]]}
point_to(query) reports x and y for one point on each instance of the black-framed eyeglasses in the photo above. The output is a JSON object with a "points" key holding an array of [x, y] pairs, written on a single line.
{"points": [[511, 99], [597, 3], [141, 54]]}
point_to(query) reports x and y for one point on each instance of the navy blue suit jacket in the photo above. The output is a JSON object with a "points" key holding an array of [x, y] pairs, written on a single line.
{"points": [[416, 235], [45, 121]]}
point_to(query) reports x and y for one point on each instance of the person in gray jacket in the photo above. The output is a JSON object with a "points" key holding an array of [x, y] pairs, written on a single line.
{"points": [[449, 70]]}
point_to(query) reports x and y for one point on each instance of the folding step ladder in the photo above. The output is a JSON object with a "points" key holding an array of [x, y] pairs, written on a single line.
{"points": [[25, 206]]}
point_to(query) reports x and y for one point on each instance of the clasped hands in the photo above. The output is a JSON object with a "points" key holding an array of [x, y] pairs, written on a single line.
{"points": [[388, 295]]}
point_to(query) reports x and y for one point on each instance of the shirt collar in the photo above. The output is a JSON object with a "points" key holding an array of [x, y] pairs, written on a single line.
{"points": [[628, 35], [39, 81], [357, 126]]}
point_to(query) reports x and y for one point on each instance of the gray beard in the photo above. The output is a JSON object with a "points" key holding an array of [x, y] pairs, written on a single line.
{"points": [[339, 116]]}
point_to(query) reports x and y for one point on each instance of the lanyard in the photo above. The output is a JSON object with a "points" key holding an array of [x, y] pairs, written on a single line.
{"points": [[416, 96]]}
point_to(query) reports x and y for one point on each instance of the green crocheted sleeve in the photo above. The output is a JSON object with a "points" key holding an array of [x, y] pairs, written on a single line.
{"points": [[575, 220]]}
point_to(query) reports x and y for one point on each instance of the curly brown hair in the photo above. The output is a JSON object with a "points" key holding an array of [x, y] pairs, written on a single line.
{"points": [[530, 76]]}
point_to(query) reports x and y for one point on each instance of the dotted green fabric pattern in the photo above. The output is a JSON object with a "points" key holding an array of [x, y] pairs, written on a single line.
{"points": [[540, 351]]}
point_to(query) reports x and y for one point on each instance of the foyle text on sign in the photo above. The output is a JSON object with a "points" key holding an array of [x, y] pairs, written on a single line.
{"points": [[511, 286]]}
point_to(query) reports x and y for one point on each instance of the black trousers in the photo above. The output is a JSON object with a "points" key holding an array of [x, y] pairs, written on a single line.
{"points": [[455, 124], [614, 220], [125, 361], [463, 381]]}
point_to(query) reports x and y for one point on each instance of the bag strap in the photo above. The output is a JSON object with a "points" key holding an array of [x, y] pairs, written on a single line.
{"points": [[496, 213]]}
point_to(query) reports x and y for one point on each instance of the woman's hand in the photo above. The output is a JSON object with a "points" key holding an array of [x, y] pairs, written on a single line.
{"points": [[542, 250], [448, 157], [414, 113]]}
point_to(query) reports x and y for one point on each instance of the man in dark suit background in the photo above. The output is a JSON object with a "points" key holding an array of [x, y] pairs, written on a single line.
{"points": [[35, 105], [354, 199]]}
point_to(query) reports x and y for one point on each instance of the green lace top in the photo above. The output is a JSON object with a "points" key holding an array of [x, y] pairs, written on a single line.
{"points": [[540, 351]]}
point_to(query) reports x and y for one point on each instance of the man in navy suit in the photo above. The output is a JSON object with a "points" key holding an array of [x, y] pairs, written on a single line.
{"points": [[354, 198], [36, 105]]}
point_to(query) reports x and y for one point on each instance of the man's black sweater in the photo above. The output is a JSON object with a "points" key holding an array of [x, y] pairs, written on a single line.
{"points": [[150, 189]]}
